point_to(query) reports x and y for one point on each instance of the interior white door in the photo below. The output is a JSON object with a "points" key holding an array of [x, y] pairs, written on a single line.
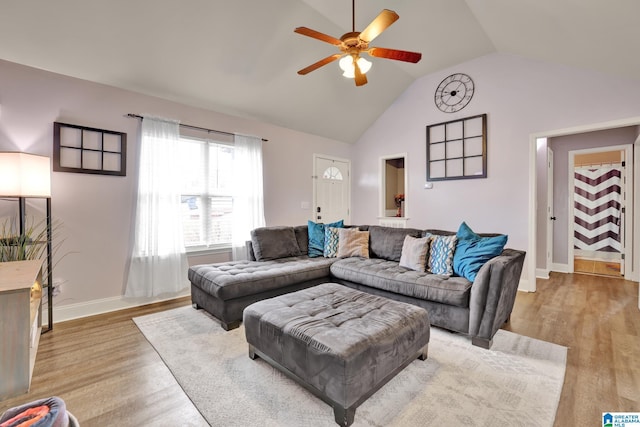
{"points": [[331, 189], [550, 217]]}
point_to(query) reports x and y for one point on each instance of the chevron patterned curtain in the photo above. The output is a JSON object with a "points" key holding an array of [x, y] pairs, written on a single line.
{"points": [[597, 209]]}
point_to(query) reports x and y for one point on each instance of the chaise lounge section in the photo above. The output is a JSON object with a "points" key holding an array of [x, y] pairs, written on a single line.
{"points": [[279, 263]]}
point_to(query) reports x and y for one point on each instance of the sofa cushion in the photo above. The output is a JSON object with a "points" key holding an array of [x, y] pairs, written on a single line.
{"points": [[274, 242], [353, 242], [414, 253], [441, 254], [386, 242], [302, 236], [316, 236], [235, 279], [389, 276], [473, 251]]}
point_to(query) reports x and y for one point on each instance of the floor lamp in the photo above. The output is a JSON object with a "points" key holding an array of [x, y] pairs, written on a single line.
{"points": [[25, 176]]}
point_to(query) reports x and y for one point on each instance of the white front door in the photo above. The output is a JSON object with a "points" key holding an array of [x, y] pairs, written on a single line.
{"points": [[331, 189]]}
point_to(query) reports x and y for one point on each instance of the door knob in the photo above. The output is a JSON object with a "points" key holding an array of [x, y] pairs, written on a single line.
{"points": [[553, 218]]}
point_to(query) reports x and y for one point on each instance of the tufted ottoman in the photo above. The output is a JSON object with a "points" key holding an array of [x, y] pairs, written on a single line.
{"points": [[340, 343]]}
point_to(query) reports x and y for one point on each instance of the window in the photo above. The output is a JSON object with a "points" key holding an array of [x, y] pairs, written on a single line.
{"points": [[332, 172], [207, 204]]}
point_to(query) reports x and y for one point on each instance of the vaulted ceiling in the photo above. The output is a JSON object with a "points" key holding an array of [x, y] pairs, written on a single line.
{"points": [[241, 57]]}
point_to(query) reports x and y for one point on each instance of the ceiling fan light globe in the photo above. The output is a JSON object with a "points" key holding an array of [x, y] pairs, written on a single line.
{"points": [[364, 65], [346, 64]]}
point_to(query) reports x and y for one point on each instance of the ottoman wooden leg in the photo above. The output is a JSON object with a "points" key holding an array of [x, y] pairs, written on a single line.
{"points": [[344, 416], [252, 352], [424, 353]]}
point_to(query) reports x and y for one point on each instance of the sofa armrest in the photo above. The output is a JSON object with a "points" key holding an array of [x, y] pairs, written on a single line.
{"points": [[493, 295]]}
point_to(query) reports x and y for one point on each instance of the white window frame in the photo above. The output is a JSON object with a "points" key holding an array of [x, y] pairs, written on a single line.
{"points": [[216, 247]]}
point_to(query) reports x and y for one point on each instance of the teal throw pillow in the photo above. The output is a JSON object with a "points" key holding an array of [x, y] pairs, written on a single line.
{"points": [[331, 239], [473, 251], [441, 254], [316, 237], [466, 233]]}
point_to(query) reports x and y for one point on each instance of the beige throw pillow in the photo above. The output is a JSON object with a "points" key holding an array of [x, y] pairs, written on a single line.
{"points": [[414, 253], [353, 242]]}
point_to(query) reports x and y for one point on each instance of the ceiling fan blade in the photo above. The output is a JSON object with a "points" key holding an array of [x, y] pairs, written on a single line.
{"points": [[378, 25], [317, 35], [359, 77], [319, 64], [398, 55]]}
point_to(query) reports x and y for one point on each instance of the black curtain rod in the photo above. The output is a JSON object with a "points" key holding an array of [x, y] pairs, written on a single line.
{"points": [[137, 116]]}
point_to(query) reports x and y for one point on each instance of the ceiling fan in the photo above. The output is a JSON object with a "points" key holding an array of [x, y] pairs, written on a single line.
{"points": [[353, 44]]}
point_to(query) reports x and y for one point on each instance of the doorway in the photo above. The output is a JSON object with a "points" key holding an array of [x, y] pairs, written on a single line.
{"points": [[331, 189], [538, 241]]}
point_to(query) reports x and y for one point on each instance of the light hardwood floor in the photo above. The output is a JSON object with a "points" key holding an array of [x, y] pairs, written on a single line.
{"points": [[109, 375]]}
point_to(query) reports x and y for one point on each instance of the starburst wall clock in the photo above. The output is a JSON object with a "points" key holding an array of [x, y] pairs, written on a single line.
{"points": [[454, 93]]}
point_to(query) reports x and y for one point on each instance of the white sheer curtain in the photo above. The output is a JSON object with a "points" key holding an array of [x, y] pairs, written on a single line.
{"points": [[158, 260], [248, 200]]}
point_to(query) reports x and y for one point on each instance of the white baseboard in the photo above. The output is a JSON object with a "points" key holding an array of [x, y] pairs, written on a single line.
{"points": [[101, 306], [560, 268], [525, 286], [542, 273]]}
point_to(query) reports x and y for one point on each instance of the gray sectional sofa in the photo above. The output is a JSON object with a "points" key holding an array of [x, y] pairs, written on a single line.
{"points": [[279, 263]]}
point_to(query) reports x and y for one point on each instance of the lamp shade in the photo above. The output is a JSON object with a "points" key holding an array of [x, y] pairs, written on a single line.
{"points": [[24, 175]]}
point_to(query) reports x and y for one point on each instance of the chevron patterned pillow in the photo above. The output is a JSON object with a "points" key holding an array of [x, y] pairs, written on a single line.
{"points": [[441, 255], [331, 242]]}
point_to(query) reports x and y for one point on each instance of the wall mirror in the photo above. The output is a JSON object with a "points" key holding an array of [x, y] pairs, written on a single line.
{"points": [[393, 187]]}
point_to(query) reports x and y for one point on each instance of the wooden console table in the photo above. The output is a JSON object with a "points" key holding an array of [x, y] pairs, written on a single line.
{"points": [[20, 324]]}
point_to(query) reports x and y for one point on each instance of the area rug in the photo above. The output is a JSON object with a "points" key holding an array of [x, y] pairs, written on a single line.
{"points": [[516, 383]]}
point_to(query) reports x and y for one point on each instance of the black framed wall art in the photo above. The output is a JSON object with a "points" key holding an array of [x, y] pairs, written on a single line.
{"points": [[89, 150], [457, 149]]}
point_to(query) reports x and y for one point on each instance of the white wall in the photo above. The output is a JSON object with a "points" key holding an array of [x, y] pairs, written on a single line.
{"points": [[95, 210], [521, 97]]}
